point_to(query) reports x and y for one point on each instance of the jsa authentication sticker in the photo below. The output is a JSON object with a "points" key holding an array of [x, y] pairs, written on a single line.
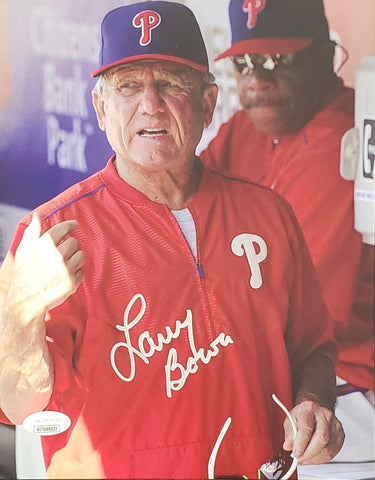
{"points": [[46, 423]]}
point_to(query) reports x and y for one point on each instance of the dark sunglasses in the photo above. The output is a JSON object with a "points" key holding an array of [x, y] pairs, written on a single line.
{"points": [[246, 63]]}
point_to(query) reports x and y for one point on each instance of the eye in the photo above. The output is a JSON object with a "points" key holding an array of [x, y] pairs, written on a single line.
{"points": [[287, 59], [170, 85], [127, 87]]}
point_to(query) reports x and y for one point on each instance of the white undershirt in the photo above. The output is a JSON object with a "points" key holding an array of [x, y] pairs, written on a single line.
{"points": [[186, 223]]}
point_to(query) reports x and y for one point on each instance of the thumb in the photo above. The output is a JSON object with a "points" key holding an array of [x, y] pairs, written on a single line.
{"points": [[288, 438], [34, 229], [288, 443]]}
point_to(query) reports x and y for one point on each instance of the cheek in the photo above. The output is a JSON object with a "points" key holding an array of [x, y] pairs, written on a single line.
{"points": [[185, 115], [118, 119], [296, 82], [241, 88], [116, 132], [194, 122], [300, 91]]}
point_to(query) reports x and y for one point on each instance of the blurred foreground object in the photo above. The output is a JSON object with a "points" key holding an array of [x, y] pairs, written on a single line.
{"points": [[358, 150]]}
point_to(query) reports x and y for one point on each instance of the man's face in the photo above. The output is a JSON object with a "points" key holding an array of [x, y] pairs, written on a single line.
{"points": [[281, 101], [153, 113]]}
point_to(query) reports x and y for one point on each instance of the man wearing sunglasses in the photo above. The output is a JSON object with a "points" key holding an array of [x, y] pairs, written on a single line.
{"points": [[287, 137]]}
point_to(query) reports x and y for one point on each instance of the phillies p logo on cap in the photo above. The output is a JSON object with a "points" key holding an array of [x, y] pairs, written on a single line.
{"points": [[160, 30], [146, 21], [252, 8]]}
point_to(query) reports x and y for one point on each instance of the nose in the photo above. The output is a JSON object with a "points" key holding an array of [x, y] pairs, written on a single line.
{"points": [[151, 101], [259, 79]]}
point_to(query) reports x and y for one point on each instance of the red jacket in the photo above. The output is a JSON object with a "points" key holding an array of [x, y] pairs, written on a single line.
{"points": [[151, 357]]}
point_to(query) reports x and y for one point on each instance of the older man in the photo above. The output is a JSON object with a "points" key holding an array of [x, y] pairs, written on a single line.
{"points": [[153, 309]]}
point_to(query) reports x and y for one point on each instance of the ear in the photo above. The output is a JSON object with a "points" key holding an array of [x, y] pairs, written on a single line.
{"points": [[98, 104], [209, 103]]}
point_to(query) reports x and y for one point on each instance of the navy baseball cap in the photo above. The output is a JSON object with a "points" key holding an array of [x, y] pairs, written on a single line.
{"points": [[159, 30], [275, 26]]}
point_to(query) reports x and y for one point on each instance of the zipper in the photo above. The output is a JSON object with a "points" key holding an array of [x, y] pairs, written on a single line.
{"points": [[199, 269], [206, 308]]}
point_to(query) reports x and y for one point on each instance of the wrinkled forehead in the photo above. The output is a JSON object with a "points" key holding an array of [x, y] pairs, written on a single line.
{"points": [[160, 67]]}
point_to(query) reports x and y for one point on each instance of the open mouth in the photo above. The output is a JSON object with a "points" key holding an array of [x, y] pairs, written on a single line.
{"points": [[152, 132]]}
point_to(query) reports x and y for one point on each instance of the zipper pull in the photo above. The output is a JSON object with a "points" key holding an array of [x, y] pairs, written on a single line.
{"points": [[199, 270]]}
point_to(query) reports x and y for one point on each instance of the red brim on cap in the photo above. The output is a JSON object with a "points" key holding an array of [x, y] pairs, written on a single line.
{"points": [[268, 46]]}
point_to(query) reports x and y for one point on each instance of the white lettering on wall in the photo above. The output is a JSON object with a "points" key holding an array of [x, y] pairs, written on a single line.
{"points": [[66, 148], [58, 38], [65, 95]]}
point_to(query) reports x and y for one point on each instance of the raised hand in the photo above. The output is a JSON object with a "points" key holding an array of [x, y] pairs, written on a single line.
{"points": [[47, 268]]}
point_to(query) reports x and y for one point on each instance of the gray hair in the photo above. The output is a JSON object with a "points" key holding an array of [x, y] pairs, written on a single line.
{"points": [[100, 85]]}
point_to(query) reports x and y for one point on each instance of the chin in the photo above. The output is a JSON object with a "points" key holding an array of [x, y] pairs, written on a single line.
{"points": [[269, 120]]}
